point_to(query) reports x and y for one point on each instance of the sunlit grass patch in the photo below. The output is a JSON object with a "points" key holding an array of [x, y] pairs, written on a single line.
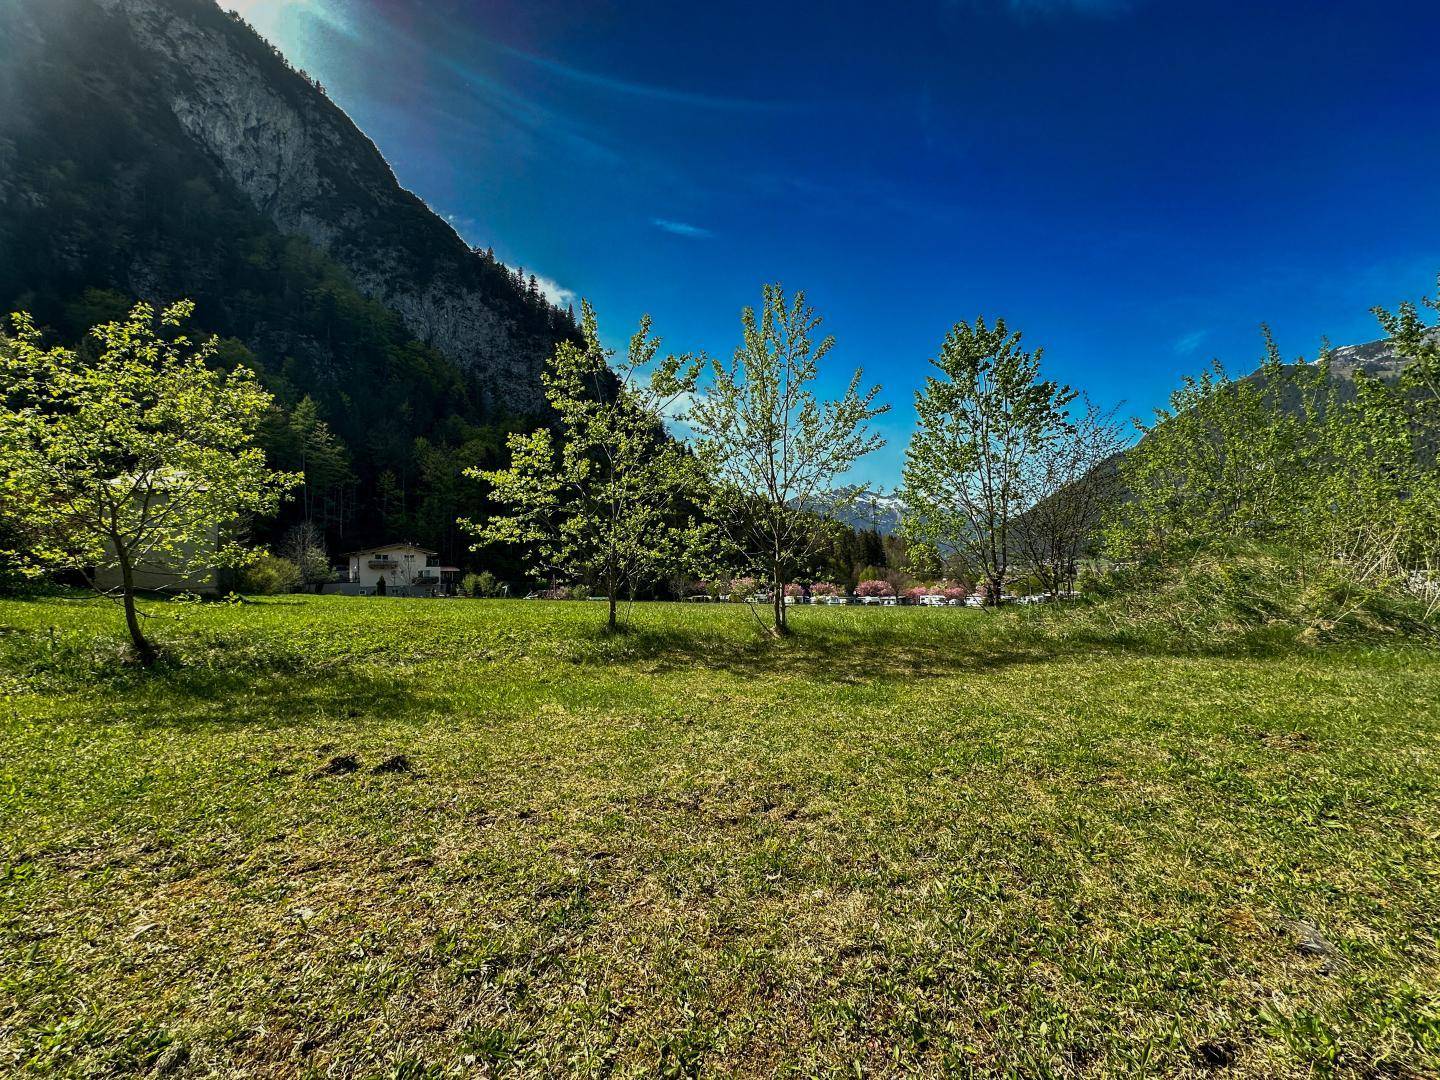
{"points": [[905, 840]]}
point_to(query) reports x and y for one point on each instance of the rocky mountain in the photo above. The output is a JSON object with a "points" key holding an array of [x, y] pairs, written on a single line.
{"points": [[862, 509], [160, 149], [182, 81], [1374, 358]]}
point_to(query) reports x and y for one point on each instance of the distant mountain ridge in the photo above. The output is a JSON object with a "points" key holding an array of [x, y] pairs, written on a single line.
{"points": [[1376, 359], [860, 508]]}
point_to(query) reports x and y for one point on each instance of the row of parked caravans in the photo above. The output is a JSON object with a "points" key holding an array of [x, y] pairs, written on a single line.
{"points": [[881, 601], [974, 600]]}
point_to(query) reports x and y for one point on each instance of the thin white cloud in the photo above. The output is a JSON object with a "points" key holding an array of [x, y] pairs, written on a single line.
{"points": [[1188, 344], [552, 290], [465, 227], [556, 293], [527, 116], [648, 91], [681, 228], [462, 224]]}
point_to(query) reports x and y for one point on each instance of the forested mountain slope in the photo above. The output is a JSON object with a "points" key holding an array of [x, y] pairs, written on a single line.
{"points": [[156, 149]]}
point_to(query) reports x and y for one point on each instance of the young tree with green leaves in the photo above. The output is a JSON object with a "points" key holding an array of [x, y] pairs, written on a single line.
{"points": [[981, 423], [1277, 456], [773, 448], [141, 454], [1209, 467], [1418, 343], [601, 497], [1401, 422], [1294, 457], [1071, 482]]}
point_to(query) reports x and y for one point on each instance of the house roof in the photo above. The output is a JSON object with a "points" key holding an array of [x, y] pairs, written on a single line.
{"points": [[387, 547]]}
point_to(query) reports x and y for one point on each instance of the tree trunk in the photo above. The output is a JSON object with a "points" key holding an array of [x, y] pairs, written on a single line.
{"points": [[612, 593], [782, 624], [143, 649]]}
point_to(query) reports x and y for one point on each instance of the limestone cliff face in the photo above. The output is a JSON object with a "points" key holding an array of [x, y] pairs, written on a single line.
{"points": [[303, 164]]}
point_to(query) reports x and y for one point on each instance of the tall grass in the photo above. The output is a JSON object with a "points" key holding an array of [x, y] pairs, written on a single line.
{"points": [[1245, 597]]}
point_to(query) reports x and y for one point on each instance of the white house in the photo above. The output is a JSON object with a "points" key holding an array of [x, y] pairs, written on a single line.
{"points": [[400, 565]]}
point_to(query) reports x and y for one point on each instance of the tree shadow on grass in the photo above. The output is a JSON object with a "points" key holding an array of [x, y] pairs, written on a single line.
{"points": [[840, 653], [191, 699], [270, 681], [821, 653], [269, 688]]}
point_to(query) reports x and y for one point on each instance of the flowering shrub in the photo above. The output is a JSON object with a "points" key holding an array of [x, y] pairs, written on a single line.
{"points": [[916, 592], [952, 590], [794, 589], [557, 592], [738, 588], [874, 587], [824, 588]]}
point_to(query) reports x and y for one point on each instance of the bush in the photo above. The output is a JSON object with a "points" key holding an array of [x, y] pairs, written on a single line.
{"points": [[825, 588], [269, 575], [874, 587], [482, 585]]}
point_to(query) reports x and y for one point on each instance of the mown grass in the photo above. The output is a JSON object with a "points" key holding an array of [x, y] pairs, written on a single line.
{"points": [[907, 841]]}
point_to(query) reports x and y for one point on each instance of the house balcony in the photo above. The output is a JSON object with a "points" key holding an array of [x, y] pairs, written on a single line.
{"points": [[383, 564]]}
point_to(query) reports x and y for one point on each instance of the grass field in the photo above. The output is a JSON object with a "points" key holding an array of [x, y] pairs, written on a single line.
{"points": [[907, 841]]}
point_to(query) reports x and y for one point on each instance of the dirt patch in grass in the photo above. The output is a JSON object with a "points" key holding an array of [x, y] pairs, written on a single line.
{"points": [[339, 765]]}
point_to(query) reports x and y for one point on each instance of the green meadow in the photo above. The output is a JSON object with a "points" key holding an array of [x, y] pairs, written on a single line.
{"points": [[384, 837]]}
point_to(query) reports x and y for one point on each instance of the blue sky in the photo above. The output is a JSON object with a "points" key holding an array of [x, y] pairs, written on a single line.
{"points": [[1136, 184]]}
